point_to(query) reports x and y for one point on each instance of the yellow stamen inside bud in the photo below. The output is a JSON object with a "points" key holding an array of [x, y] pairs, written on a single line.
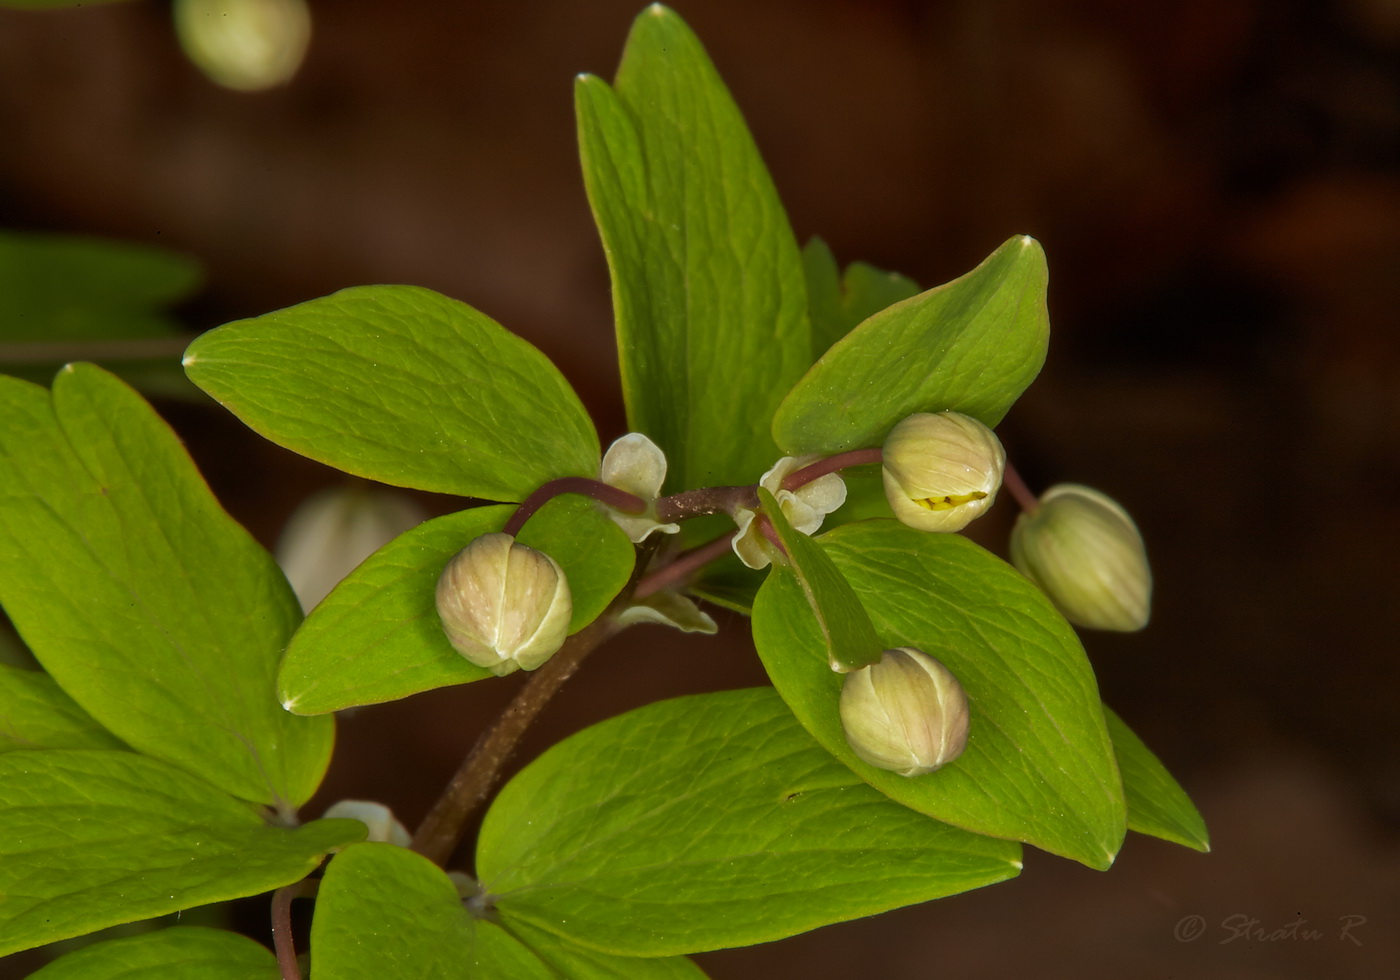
{"points": [[949, 501]]}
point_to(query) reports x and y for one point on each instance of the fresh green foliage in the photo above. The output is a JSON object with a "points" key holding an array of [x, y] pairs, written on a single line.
{"points": [[36, 714], [177, 953], [707, 279], [152, 609], [1157, 805], [838, 302], [971, 345], [709, 821], [1038, 766], [56, 288], [402, 385], [377, 637], [386, 912], [157, 761], [75, 824]]}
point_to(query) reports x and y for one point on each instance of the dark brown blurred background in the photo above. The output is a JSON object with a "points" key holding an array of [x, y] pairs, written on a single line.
{"points": [[1217, 186]]}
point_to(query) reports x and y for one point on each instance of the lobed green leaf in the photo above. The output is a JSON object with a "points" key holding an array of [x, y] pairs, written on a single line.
{"points": [[1038, 766], [1157, 805], [971, 345], [149, 605], [36, 714], [177, 953], [90, 839], [383, 911], [377, 636], [707, 281], [710, 821], [402, 385]]}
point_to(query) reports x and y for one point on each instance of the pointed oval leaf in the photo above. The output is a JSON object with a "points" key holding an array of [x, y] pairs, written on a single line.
{"points": [[850, 639], [90, 839], [177, 953], [711, 821], [384, 911], [707, 280], [402, 385], [377, 636], [150, 606], [36, 714], [971, 345], [836, 303], [1038, 765], [1157, 805]]}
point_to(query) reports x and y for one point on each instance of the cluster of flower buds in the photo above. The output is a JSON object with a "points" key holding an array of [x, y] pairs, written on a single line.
{"points": [[941, 471], [1086, 554], [906, 712], [504, 606]]}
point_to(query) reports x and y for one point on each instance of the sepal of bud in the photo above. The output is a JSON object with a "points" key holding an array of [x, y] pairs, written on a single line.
{"points": [[906, 713], [941, 471], [636, 464], [1086, 554], [805, 508], [668, 608], [504, 606]]}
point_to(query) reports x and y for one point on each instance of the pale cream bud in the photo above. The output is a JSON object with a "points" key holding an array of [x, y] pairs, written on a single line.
{"points": [[906, 712], [941, 471], [805, 508], [1087, 556], [504, 606]]}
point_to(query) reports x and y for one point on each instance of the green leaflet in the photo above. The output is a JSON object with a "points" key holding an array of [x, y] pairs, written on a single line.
{"points": [[384, 911], [377, 636], [36, 714], [58, 288], [1038, 766], [837, 304], [971, 345], [1157, 805], [707, 280], [90, 839], [849, 637], [177, 953], [711, 821], [402, 385], [148, 604]]}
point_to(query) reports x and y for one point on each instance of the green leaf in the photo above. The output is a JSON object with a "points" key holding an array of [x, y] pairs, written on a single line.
{"points": [[1038, 766], [177, 953], [708, 290], [836, 305], [710, 821], [377, 636], [65, 288], [383, 911], [402, 385], [90, 839], [1157, 805], [146, 602], [971, 345], [36, 714], [849, 637]]}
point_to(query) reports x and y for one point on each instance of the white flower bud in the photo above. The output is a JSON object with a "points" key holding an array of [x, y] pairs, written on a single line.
{"points": [[941, 471], [504, 606], [383, 827], [636, 464], [805, 508], [244, 44], [1087, 555], [906, 713]]}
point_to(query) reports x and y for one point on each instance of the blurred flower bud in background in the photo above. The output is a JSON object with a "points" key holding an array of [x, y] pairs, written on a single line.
{"points": [[906, 712], [941, 471], [504, 606], [336, 529], [383, 828], [1087, 555], [246, 45]]}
